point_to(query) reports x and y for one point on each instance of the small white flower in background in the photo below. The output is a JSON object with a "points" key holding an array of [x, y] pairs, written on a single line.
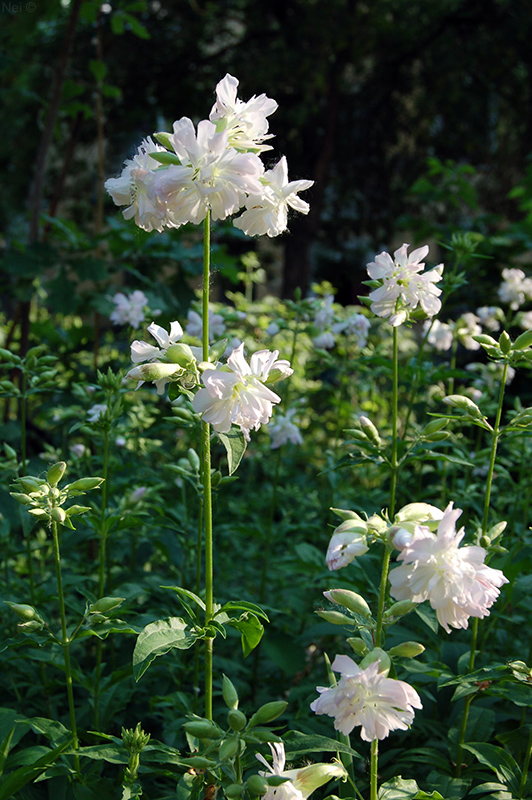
{"points": [[78, 450], [516, 288], [232, 345], [325, 313], [134, 189], [490, 317], [267, 210], [489, 376], [120, 441], [525, 320], [440, 336], [325, 340], [465, 327], [454, 580], [137, 495], [272, 329], [356, 325], [302, 782], [142, 351], [238, 396], [283, 429], [347, 542], [244, 122], [368, 698], [95, 412], [404, 286], [194, 325], [129, 308]]}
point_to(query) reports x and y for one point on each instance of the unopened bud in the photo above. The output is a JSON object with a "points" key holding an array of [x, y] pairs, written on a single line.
{"points": [[202, 729], [505, 343], [55, 473], [181, 354], [261, 735], [237, 719], [350, 600], [200, 762], [377, 654], [257, 785], [135, 740], [24, 611], [229, 693], [358, 645], [523, 341], [268, 712], [234, 790], [407, 650], [24, 499], [84, 485], [58, 515], [335, 617], [399, 609], [229, 748], [193, 460], [370, 430], [105, 604]]}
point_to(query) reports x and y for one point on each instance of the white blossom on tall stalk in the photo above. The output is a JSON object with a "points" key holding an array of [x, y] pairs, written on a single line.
{"points": [[454, 580], [301, 782], [267, 210], [194, 326], [490, 317], [146, 357], [142, 351], [404, 286], [347, 542], [134, 189], [440, 335], [237, 394], [283, 429], [129, 308], [515, 289], [368, 698], [244, 122], [465, 327]]}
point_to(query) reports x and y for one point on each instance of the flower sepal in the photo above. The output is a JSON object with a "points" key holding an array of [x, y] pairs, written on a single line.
{"points": [[380, 656]]}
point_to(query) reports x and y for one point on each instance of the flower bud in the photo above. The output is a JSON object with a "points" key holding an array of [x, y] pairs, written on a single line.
{"points": [[30, 484], [377, 654], [55, 473], [84, 485], [418, 512], [335, 617], [464, 404], [202, 729], [135, 740], [234, 790], [24, 499], [105, 604], [193, 460], [350, 600], [229, 748], [407, 650], [358, 645], [237, 719], [346, 514], [40, 513], [268, 712], [399, 609], [74, 510], [24, 611], [505, 343], [370, 430], [229, 693], [261, 735], [496, 530], [257, 785], [154, 371], [400, 537], [58, 515], [523, 341], [181, 354]]}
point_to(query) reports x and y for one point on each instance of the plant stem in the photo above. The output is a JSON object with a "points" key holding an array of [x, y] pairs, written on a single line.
{"points": [[374, 769], [394, 464], [526, 764], [101, 575], [65, 643], [206, 476], [474, 625]]}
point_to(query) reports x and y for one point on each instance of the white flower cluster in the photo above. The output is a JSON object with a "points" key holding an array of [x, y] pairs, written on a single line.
{"points": [[516, 288], [328, 326], [129, 309], [216, 167]]}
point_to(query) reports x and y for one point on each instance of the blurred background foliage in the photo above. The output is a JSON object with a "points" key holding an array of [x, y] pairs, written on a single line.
{"points": [[413, 117]]}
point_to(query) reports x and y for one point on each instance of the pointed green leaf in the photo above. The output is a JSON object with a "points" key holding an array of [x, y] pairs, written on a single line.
{"points": [[187, 593], [158, 638], [235, 446]]}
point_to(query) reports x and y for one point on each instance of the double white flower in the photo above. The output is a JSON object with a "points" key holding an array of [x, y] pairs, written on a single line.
{"points": [[301, 782], [368, 698], [454, 580], [238, 395], [404, 286]]}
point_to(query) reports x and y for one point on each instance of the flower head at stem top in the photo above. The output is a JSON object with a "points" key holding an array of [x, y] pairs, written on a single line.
{"points": [[237, 394], [403, 285], [301, 782]]}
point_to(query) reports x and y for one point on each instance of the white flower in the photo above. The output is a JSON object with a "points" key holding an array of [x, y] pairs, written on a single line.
{"points": [[129, 308], [195, 325], [454, 580], [302, 782], [325, 340], [467, 326], [133, 189], [347, 542], [355, 325], [366, 697], [96, 412], [525, 320], [78, 450], [245, 123], [490, 317], [273, 328], [440, 336], [142, 351], [267, 210], [283, 430], [325, 313], [239, 396], [211, 175], [515, 288], [403, 287]]}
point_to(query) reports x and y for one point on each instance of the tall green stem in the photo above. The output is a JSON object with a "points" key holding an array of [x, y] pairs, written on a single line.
{"points": [[65, 643], [474, 624], [395, 390], [374, 767], [101, 575], [526, 764], [206, 477], [23, 452]]}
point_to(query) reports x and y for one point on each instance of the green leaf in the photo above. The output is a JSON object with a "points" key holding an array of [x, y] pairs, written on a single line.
{"points": [[187, 593], [301, 744], [16, 780], [98, 69], [501, 762], [4, 749], [251, 630], [242, 605], [235, 446], [399, 789], [158, 638]]}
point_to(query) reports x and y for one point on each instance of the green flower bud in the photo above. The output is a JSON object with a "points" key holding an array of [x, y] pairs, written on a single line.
{"points": [[193, 459], [59, 515], [135, 740], [22, 498], [523, 341], [433, 426], [377, 654], [358, 645], [164, 139], [202, 729], [484, 339], [229, 748], [335, 617], [407, 650], [237, 719], [485, 541], [350, 600], [268, 712], [200, 762], [229, 693], [496, 530], [234, 790], [346, 514], [370, 430], [505, 343], [40, 513], [24, 611], [181, 354], [29, 484], [32, 625], [73, 510], [464, 404], [261, 735], [257, 785], [399, 609], [55, 473], [105, 604], [84, 485]]}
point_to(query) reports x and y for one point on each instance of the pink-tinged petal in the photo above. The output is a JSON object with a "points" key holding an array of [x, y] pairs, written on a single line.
{"points": [[418, 255], [142, 351]]}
